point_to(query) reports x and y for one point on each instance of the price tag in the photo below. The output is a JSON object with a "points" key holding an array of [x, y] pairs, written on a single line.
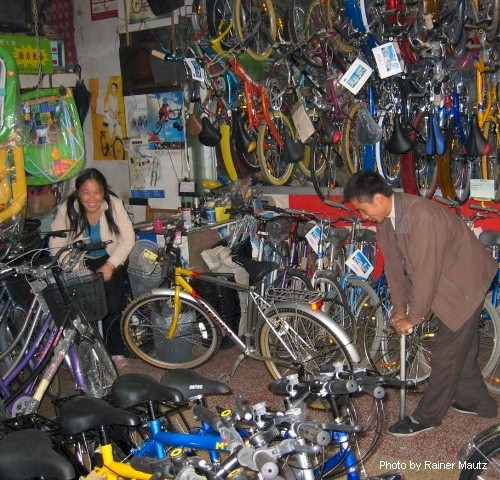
{"points": [[359, 264], [480, 188], [149, 255]]}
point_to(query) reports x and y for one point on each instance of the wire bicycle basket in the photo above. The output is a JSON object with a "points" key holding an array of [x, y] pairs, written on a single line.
{"points": [[87, 296]]}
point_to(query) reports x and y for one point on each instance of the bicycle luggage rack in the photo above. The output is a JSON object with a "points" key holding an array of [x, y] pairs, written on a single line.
{"points": [[290, 295]]}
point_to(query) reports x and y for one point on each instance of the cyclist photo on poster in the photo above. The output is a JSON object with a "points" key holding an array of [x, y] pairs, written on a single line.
{"points": [[108, 118]]}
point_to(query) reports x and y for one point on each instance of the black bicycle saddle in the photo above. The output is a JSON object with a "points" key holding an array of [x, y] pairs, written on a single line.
{"points": [[191, 384]]}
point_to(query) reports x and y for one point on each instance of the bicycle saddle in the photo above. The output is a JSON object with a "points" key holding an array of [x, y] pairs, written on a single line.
{"points": [[278, 229], [88, 413], [292, 152], [210, 135], [28, 453], [243, 140], [338, 236], [476, 144], [489, 238], [399, 142], [256, 270], [133, 389], [367, 235], [191, 384]]}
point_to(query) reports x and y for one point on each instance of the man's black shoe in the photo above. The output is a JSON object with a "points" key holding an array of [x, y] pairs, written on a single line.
{"points": [[407, 427]]}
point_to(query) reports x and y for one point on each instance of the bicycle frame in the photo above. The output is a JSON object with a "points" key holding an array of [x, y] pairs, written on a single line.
{"points": [[183, 288]]}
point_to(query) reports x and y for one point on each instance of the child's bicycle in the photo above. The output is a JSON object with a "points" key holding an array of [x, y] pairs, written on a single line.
{"points": [[177, 328]]}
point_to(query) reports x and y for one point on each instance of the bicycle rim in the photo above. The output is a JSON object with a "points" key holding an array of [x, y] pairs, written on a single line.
{"points": [[104, 144], [219, 17], [388, 164], [326, 166], [98, 369], [274, 168], [492, 167], [352, 153], [489, 348], [145, 326], [255, 24], [484, 458], [311, 341]]}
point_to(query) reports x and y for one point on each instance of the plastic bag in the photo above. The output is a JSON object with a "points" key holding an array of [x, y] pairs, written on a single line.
{"points": [[368, 131]]}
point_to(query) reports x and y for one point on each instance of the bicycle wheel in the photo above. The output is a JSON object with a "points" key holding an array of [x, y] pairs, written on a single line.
{"points": [[351, 152], [335, 299], [490, 132], [460, 166], [292, 279], [453, 16], [483, 459], [219, 18], [489, 349], [118, 150], [272, 164], [104, 144], [388, 164], [147, 320], [305, 334], [328, 170], [136, 6], [425, 168], [97, 367], [361, 300], [255, 26]]}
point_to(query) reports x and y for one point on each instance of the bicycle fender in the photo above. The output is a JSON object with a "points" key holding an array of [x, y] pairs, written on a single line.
{"points": [[335, 327], [225, 145]]}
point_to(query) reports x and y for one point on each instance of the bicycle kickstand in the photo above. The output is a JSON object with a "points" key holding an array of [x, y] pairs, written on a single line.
{"points": [[226, 377]]}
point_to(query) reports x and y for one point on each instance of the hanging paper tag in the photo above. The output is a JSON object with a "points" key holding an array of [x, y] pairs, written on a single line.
{"points": [[359, 264], [387, 60], [356, 76]]}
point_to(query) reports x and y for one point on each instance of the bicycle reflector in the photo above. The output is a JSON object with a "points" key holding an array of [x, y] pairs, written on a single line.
{"points": [[316, 304]]}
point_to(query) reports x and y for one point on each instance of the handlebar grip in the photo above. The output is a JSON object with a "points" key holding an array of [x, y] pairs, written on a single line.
{"points": [[91, 247], [445, 201], [338, 387], [205, 415], [266, 465], [279, 387], [314, 434], [376, 391]]}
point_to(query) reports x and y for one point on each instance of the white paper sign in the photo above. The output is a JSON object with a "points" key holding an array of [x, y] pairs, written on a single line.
{"points": [[480, 188], [387, 60], [359, 264], [356, 76]]}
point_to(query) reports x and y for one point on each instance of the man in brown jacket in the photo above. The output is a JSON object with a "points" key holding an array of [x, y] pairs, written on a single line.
{"points": [[433, 262]]}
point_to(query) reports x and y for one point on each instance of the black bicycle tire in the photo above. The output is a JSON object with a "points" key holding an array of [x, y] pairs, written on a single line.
{"points": [[293, 278], [212, 332], [460, 167], [426, 187], [274, 169], [478, 458], [121, 150], [217, 23], [328, 350], [243, 36], [325, 168], [382, 154]]}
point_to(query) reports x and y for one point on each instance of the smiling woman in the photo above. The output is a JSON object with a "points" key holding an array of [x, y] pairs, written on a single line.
{"points": [[93, 211]]}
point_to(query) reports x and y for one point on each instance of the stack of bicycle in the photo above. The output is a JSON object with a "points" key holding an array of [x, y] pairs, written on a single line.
{"points": [[335, 87]]}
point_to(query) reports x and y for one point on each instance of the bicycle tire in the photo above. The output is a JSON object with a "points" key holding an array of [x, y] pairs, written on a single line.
{"points": [[145, 324], [118, 149], [492, 170], [104, 144], [352, 153], [298, 328], [460, 166], [388, 164], [257, 38], [275, 170], [136, 6], [489, 348], [326, 171], [335, 299], [293, 279], [219, 17], [483, 459], [98, 370], [305, 164], [425, 167]]}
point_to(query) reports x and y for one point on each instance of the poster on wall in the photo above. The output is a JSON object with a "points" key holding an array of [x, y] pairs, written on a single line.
{"points": [[155, 174], [101, 9], [108, 118], [165, 124]]}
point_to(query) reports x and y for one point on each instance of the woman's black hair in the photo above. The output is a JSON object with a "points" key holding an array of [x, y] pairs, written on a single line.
{"points": [[78, 220]]}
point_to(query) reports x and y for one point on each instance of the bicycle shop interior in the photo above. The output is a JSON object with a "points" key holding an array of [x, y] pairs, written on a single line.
{"points": [[201, 126]]}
